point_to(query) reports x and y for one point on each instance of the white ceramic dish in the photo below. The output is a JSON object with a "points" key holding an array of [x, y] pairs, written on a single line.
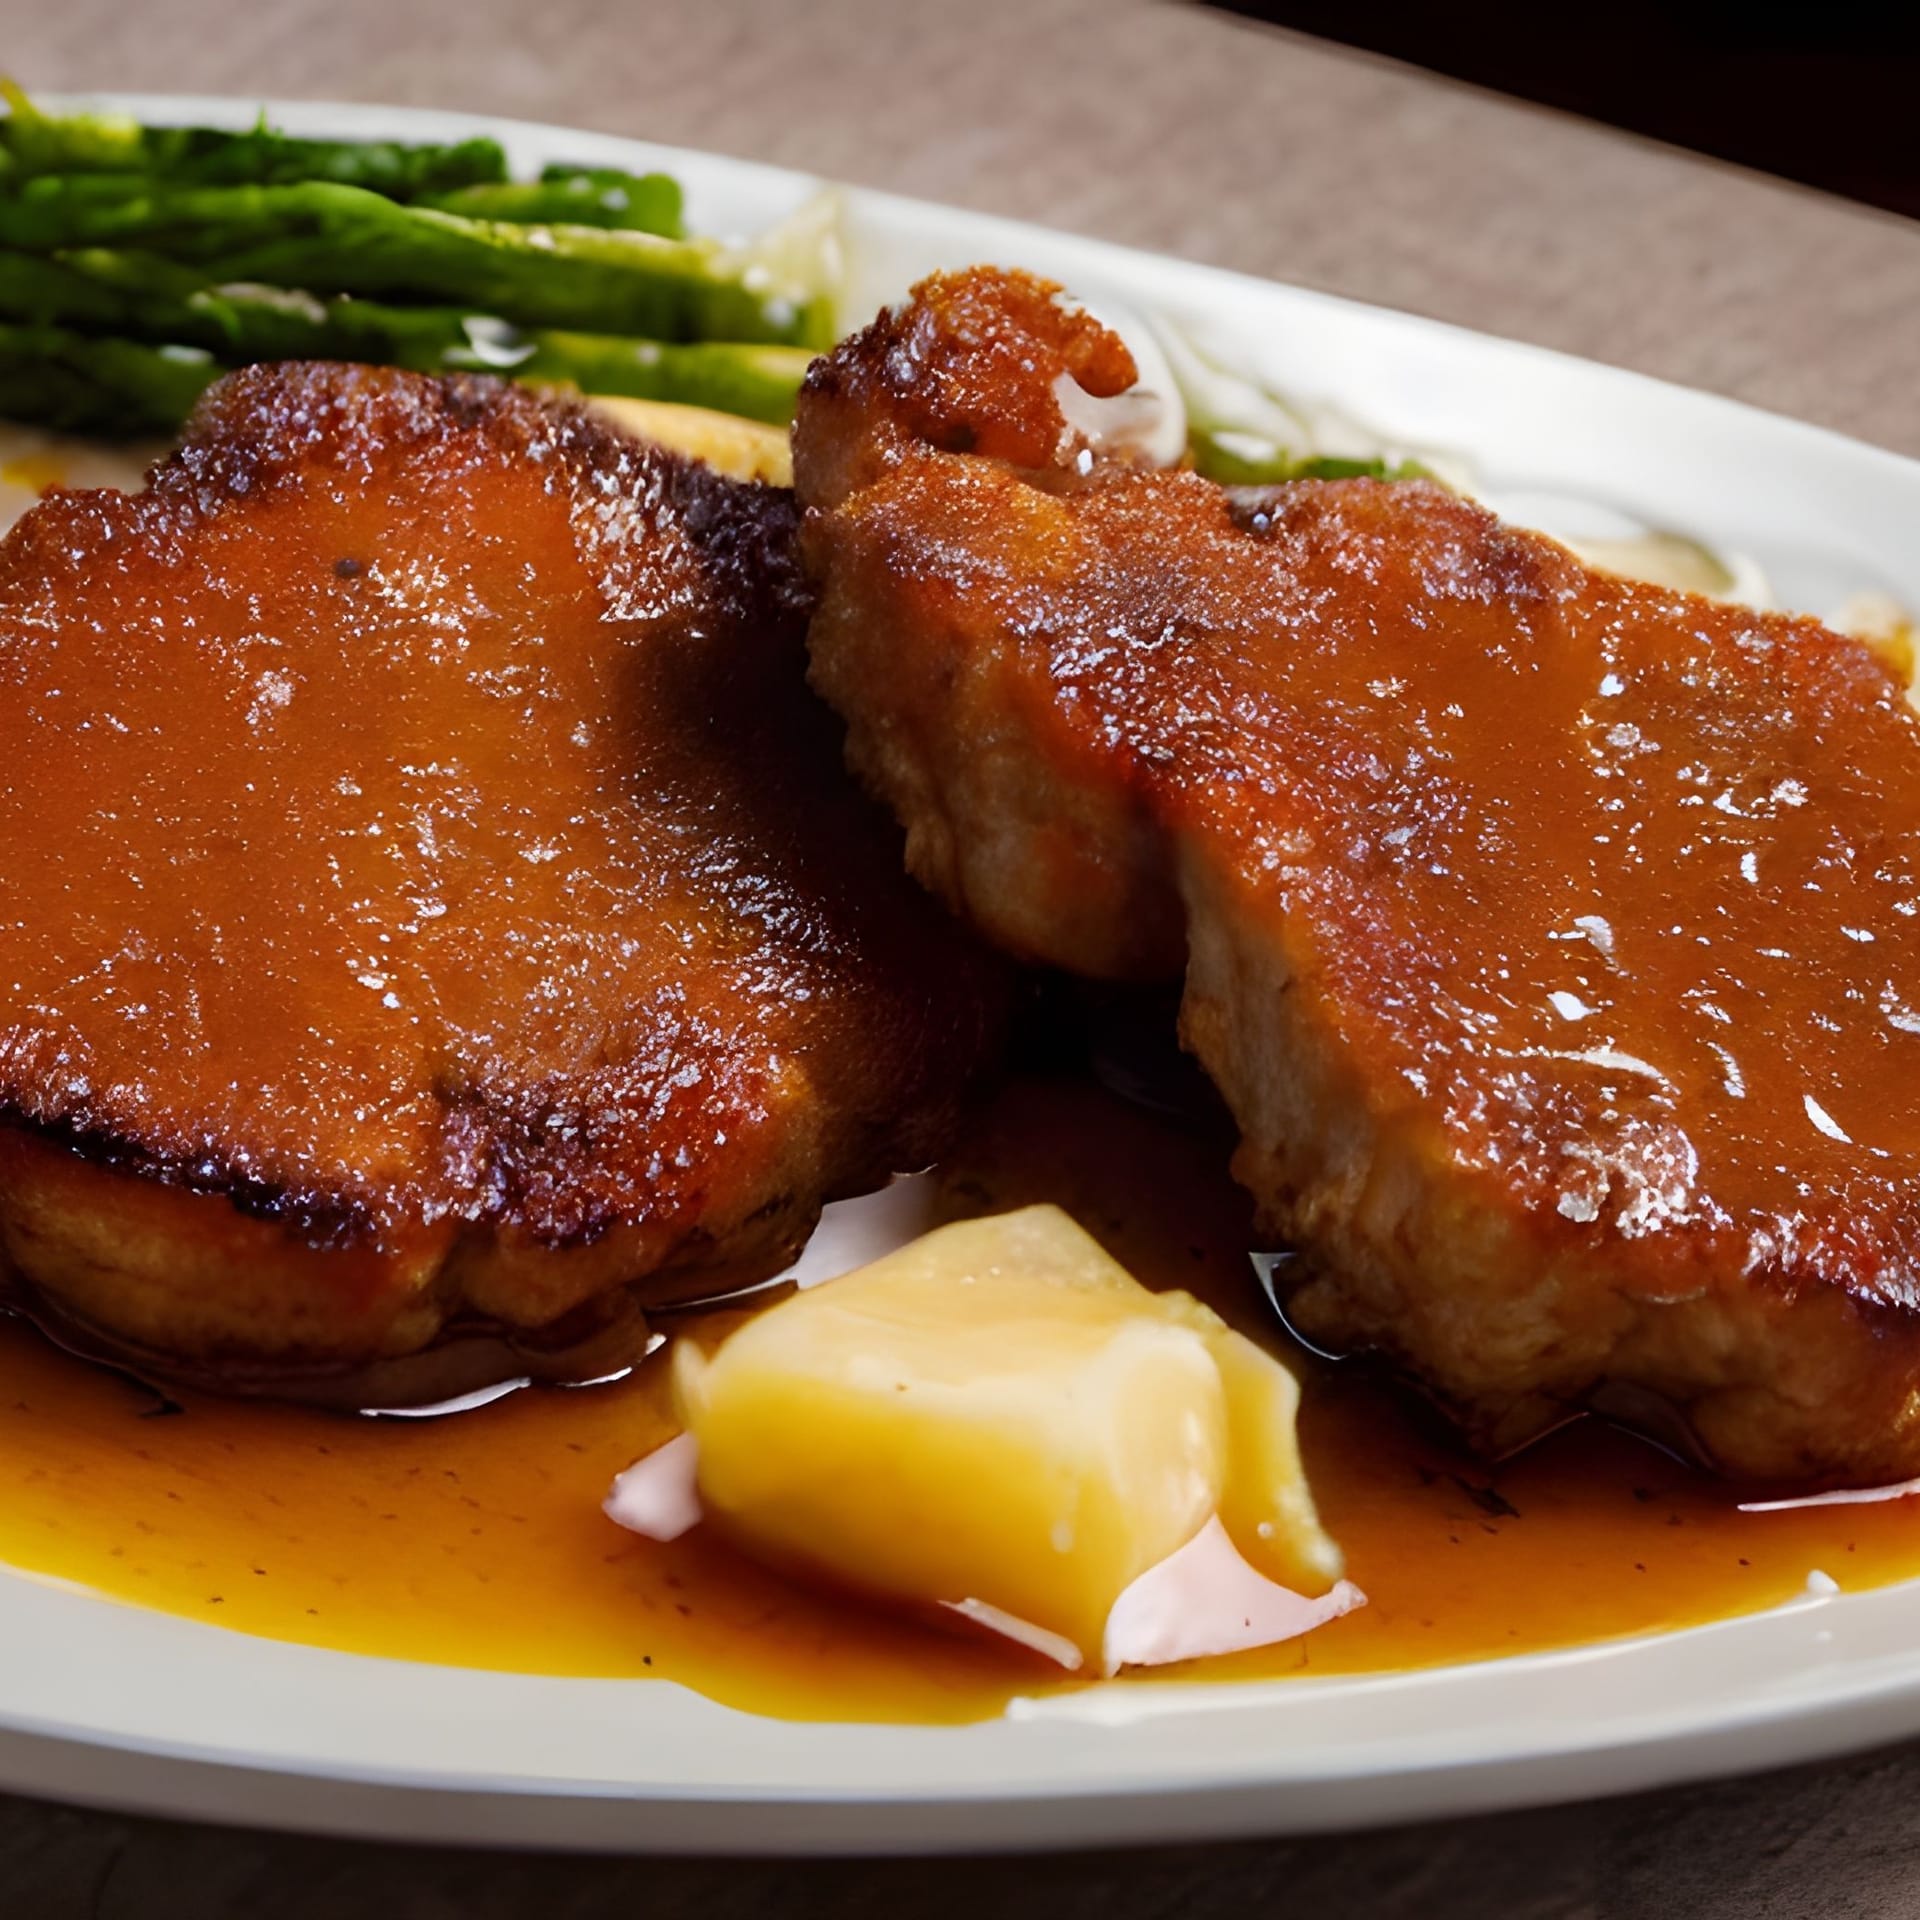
{"points": [[109, 1704]]}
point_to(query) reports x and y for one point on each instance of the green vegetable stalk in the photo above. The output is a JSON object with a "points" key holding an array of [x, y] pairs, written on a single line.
{"points": [[133, 294], [33, 142], [575, 197], [1235, 458], [139, 262], [331, 239], [64, 380], [755, 382]]}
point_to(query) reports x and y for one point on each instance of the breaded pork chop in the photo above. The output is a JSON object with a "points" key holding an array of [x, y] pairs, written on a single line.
{"points": [[1554, 940], [430, 897]]}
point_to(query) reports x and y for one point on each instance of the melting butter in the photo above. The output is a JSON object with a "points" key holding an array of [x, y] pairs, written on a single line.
{"points": [[998, 1418]]}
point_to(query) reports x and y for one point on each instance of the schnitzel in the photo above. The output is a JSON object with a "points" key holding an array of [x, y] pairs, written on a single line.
{"points": [[1554, 940], [433, 915]]}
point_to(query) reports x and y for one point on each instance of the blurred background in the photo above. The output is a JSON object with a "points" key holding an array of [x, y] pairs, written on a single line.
{"points": [[1828, 94]]}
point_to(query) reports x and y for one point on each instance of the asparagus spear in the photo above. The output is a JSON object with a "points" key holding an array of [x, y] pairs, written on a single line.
{"points": [[33, 142], [335, 239], [1239, 459], [756, 382], [466, 176], [123, 293], [562, 173], [117, 387], [600, 197], [88, 291]]}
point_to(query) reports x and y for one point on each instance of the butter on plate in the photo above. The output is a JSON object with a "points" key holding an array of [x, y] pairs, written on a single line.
{"points": [[741, 449], [998, 1419]]}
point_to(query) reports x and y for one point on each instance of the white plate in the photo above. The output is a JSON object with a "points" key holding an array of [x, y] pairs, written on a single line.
{"points": [[113, 1705]]}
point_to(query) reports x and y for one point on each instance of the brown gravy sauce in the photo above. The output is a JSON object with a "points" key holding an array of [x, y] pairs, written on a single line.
{"points": [[477, 1539]]}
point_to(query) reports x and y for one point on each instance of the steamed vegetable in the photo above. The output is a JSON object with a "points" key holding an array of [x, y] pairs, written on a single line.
{"points": [[755, 382], [55, 378], [140, 261], [141, 296], [33, 142], [577, 197], [1240, 459], [333, 239]]}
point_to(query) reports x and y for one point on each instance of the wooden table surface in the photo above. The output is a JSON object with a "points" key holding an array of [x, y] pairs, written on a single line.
{"points": [[1190, 133]]}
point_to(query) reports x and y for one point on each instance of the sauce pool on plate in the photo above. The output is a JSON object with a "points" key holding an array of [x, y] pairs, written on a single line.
{"points": [[476, 1539]]}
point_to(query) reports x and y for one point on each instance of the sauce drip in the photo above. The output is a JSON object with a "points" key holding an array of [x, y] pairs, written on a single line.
{"points": [[477, 1539]]}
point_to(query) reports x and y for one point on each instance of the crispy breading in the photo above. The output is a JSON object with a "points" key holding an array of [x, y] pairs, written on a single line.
{"points": [[1555, 940], [430, 895]]}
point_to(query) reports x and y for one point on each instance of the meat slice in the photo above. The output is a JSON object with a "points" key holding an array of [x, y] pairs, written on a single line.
{"points": [[1554, 940], [431, 899]]}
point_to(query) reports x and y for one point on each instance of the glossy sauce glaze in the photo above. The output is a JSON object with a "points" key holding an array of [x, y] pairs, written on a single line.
{"points": [[476, 1539], [1552, 937], [417, 829]]}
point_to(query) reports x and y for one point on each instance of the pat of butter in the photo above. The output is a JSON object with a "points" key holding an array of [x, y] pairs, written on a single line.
{"points": [[741, 449], [998, 1418]]}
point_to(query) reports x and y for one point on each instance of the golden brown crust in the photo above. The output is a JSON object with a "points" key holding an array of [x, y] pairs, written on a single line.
{"points": [[428, 869], [1554, 939], [969, 365]]}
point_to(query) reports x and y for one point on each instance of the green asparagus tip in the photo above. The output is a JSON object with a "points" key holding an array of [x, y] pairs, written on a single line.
{"points": [[1240, 459]]}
